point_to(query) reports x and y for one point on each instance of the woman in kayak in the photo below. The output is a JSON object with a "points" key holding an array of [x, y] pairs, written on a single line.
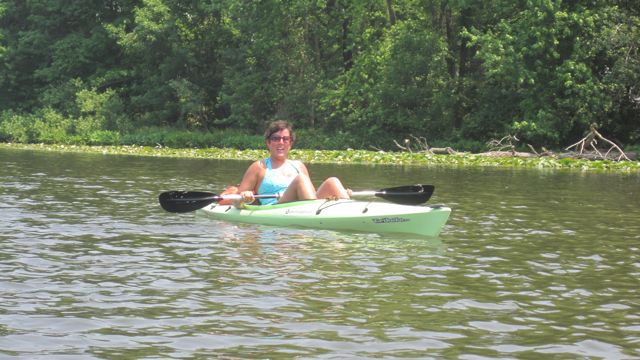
{"points": [[279, 175]]}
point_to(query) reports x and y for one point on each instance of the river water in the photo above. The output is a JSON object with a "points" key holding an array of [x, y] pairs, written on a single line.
{"points": [[532, 264]]}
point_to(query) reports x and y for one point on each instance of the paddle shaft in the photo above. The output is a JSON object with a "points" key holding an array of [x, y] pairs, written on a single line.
{"points": [[271, 196], [277, 196], [256, 196]]}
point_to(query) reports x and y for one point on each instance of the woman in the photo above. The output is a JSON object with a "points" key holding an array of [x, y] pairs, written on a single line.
{"points": [[279, 175]]}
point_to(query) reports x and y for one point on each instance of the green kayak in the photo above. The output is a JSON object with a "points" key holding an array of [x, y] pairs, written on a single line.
{"points": [[351, 215]]}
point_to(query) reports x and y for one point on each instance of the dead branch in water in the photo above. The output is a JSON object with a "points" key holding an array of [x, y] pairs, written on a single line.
{"points": [[591, 140], [498, 146], [506, 147], [423, 146]]}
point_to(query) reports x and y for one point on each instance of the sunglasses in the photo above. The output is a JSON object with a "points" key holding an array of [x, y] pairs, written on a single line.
{"points": [[276, 138]]}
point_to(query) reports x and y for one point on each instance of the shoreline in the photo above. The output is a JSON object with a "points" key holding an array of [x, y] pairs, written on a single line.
{"points": [[348, 157]]}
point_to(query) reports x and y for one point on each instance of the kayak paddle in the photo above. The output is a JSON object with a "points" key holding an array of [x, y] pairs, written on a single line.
{"points": [[405, 195], [186, 201]]}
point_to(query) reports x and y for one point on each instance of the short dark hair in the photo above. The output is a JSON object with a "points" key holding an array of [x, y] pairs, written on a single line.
{"points": [[279, 125]]}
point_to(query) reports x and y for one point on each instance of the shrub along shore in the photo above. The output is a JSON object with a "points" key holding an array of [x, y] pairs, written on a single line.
{"points": [[348, 156]]}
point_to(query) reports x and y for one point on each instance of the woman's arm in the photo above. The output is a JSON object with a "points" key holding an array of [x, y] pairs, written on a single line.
{"points": [[249, 183]]}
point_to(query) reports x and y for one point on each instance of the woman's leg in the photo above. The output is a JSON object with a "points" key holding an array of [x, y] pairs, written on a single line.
{"points": [[300, 188], [332, 188]]}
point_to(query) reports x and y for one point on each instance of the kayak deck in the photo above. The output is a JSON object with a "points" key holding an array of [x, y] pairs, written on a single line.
{"points": [[359, 216]]}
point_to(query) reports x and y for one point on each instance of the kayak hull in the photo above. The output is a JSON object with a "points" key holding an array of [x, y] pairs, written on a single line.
{"points": [[351, 215]]}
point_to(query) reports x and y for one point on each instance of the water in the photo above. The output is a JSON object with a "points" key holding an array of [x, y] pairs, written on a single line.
{"points": [[532, 264]]}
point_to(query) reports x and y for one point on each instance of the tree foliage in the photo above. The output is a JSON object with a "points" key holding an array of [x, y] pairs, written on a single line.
{"points": [[369, 71]]}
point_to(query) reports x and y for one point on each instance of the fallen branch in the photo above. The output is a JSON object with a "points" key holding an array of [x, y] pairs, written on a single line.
{"points": [[500, 153], [404, 148], [585, 148], [423, 146], [443, 151], [498, 146], [591, 140], [544, 152]]}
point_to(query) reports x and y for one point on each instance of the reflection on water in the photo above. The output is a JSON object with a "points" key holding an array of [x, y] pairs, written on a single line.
{"points": [[532, 264]]}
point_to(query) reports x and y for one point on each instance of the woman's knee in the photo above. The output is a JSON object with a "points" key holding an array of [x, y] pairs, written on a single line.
{"points": [[332, 187], [333, 182]]}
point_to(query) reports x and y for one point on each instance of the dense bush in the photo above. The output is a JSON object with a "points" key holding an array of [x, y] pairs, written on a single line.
{"points": [[352, 73]]}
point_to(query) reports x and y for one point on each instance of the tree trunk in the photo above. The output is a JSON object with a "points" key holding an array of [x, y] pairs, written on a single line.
{"points": [[463, 56], [445, 12], [392, 13], [347, 51]]}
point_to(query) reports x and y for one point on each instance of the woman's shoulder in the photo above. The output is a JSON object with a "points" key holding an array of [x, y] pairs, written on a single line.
{"points": [[299, 165], [260, 164], [256, 167]]}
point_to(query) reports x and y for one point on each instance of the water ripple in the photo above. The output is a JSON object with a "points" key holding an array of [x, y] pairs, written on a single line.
{"points": [[527, 267]]}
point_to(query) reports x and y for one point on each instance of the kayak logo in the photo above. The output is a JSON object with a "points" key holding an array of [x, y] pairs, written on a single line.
{"points": [[386, 220], [299, 211]]}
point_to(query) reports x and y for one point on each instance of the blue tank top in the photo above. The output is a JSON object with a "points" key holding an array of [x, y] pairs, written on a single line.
{"points": [[274, 183]]}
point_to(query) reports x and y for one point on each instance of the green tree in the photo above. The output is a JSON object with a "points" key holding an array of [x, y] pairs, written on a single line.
{"points": [[616, 60], [543, 68], [51, 42], [373, 71], [396, 89], [407, 78]]}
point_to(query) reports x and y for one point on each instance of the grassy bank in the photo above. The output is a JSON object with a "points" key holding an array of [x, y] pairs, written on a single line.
{"points": [[350, 157]]}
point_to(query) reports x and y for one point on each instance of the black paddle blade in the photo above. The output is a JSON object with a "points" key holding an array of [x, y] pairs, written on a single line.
{"points": [[408, 194], [186, 201]]}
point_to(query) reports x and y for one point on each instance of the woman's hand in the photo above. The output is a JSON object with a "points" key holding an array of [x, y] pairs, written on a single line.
{"points": [[247, 198]]}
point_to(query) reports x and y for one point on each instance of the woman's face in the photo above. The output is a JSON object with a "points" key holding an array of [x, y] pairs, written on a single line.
{"points": [[279, 144]]}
